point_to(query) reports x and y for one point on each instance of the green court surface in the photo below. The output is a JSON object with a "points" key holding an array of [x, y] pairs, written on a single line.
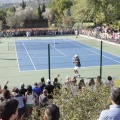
{"points": [[9, 64]]}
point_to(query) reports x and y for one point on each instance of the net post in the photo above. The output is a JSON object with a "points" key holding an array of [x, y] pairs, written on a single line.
{"points": [[101, 43], [49, 61]]}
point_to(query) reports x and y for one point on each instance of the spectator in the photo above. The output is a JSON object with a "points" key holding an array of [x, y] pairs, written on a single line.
{"points": [[43, 99], [37, 90], [91, 84], [56, 84], [30, 100], [22, 89], [50, 89], [98, 82], [74, 86], [20, 97], [110, 82], [42, 84], [8, 109], [67, 81], [52, 112], [81, 84], [113, 113], [6, 95]]}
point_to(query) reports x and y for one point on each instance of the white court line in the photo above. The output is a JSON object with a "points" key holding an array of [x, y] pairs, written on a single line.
{"points": [[93, 51], [66, 56], [17, 57], [29, 55], [58, 50]]}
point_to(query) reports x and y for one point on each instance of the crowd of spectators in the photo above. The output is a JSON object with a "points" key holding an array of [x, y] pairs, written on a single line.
{"points": [[36, 32], [40, 93], [104, 33]]}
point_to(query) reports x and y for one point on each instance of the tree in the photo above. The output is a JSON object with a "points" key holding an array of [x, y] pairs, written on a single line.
{"points": [[43, 8], [23, 4], [48, 14], [58, 6], [39, 12]]}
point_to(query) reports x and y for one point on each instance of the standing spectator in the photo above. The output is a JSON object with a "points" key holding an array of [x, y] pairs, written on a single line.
{"points": [[76, 33], [20, 97], [52, 112], [110, 82], [81, 84], [9, 109], [113, 113], [49, 88], [91, 84], [98, 82], [77, 63], [43, 99], [30, 100], [37, 90], [67, 81], [74, 86], [42, 84], [22, 88], [56, 84]]}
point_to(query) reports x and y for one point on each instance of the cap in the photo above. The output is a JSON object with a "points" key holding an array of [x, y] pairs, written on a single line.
{"points": [[76, 55], [48, 80]]}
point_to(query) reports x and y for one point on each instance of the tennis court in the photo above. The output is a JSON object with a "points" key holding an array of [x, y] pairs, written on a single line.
{"points": [[33, 54]]}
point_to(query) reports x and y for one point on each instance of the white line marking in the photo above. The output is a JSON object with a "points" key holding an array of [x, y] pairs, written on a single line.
{"points": [[29, 55], [64, 56], [17, 57], [58, 50], [93, 51]]}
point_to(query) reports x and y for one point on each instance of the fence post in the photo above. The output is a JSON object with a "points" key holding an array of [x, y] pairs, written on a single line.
{"points": [[49, 61], [101, 60]]}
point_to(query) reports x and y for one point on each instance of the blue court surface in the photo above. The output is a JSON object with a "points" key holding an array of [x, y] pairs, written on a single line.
{"points": [[33, 54]]}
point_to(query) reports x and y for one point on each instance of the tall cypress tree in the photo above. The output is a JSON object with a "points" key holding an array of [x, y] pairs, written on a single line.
{"points": [[39, 12], [23, 4], [43, 8]]}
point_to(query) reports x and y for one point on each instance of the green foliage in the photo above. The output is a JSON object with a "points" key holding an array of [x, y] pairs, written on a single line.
{"points": [[59, 6], [86, 105], [2, 14]]}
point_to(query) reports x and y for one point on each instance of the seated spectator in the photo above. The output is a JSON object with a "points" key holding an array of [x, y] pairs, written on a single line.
{"points": [[113, 113], [42, 84], [110, 82], [49, 88], [43, 99], [9, 109], [52, 112]]}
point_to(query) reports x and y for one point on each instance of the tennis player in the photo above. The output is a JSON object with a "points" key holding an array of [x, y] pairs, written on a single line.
{"points": [[77, 63]]}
